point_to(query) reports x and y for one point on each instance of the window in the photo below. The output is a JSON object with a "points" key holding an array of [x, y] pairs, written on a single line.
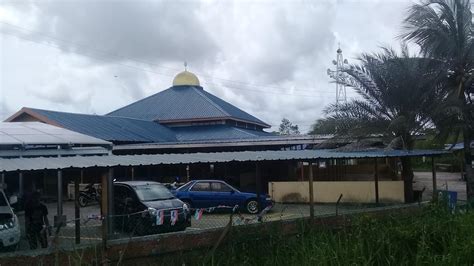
{"points": [[220, 187], [201, 186], [121, 192]]}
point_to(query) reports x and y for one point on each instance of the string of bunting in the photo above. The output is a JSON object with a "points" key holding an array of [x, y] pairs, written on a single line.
{"points": [[198, 213]]}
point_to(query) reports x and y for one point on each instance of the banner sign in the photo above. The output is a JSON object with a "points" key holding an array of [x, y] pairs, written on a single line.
{"points": [[160, 217], [174, 217], [198, 214]]}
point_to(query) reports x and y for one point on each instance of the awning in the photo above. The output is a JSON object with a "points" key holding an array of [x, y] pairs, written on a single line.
{"points": [[40, 163]]}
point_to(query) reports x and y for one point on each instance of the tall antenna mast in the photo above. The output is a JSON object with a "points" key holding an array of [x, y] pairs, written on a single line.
{"points": [[339, 76]]}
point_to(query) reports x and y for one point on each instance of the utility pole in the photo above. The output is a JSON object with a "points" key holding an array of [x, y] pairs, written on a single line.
{"points": [[339, 77]]}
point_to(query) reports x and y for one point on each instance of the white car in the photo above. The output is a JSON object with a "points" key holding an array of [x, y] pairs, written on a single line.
{"points": [[9, 226]]}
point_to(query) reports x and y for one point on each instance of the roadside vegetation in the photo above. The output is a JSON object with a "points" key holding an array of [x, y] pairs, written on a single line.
{"points": [[435, 236], [402, 96]]}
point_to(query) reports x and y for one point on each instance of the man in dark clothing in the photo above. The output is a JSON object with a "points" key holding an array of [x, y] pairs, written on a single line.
{"points": [[36, 221]]}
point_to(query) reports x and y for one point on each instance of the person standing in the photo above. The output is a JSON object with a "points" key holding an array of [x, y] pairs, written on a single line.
{"points": [[36, 221]]}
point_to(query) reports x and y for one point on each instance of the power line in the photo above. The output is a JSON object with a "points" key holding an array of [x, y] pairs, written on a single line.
{"points": [[168, 75], [109, 54]]}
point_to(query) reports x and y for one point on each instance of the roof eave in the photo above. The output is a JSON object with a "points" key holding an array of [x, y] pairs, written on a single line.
{"points": [[204, 119], [40, 117]]}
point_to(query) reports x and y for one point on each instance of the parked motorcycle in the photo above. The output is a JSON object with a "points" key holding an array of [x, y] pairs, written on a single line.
{"points": [[89, 195]]}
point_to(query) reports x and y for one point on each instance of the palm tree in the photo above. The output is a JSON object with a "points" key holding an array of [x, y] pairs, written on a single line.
{"points": [[396, 102], [444, 31]]}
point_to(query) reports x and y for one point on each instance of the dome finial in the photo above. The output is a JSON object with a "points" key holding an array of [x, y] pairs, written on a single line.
{"points": [[186, 78]]}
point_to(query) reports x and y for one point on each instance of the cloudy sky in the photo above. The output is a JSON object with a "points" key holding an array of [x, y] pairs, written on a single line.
{"points": [[267, 57]]}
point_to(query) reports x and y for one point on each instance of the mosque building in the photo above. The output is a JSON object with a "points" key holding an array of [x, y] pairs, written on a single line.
{"points": [[182, 118]]}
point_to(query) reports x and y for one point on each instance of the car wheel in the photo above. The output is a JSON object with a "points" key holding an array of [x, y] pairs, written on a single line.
{"points": [[252, 206], [82, 201]]}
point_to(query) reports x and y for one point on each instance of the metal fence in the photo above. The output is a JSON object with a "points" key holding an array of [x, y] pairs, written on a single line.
{"points": [[152, 222]]}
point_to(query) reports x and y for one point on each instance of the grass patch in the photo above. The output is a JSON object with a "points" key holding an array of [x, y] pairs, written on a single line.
{"points": [[435, 236]]}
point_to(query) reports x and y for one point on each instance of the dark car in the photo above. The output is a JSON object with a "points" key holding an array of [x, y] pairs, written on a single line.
{"points": [[145, 207], [212, 193]]}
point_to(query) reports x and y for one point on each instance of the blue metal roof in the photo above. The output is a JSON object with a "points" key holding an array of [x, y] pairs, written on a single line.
{"points": [[27, 164], [455, 147], [116, 129], [184, 103], [216, 132]]}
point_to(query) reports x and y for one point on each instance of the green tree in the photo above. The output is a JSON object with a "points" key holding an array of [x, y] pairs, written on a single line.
{"points": [[396, 103], [287, 128], [444, 31], [323, 127]]}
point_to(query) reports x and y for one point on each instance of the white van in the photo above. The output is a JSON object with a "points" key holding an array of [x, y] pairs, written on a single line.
{"points": [[9, 226]]}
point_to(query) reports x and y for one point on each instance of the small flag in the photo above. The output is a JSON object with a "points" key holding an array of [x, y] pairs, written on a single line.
{"points": [[174, 217], [198, 214], [160, 217]]}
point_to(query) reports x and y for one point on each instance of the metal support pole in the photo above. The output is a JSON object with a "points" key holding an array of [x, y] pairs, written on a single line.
{"points": [[433, 170], [20, 184], [133, 173], [60, 193], [258, 185], [110, 200], [302, 171], [188, 176], [103, 209], [60, 219], [311, 194], [77, 209], [376, 178]]}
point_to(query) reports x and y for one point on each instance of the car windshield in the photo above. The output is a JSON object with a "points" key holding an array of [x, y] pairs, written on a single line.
{"points": [[185, 186], [153, 192]]}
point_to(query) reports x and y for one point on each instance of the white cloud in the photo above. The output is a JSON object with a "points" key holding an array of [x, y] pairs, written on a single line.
{"points": [[95, 56]]}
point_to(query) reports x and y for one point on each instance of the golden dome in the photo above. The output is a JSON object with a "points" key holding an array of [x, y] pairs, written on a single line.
{"points": [[186, 78]]}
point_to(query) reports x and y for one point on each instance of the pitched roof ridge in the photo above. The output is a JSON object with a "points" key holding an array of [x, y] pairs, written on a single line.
{"points": [[104, 116], [141, 100], [211, 101], [62, 112], [253, 118]]}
